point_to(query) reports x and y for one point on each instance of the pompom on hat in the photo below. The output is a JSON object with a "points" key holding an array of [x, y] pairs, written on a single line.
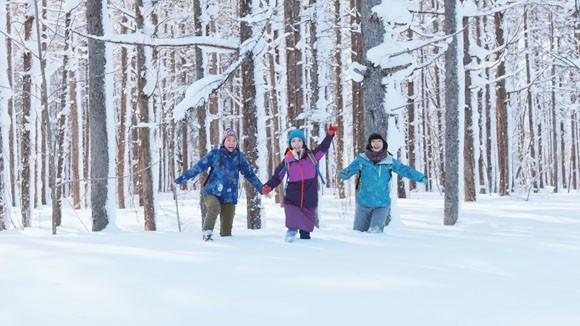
{"points": [[296, 133], [227, 133]]}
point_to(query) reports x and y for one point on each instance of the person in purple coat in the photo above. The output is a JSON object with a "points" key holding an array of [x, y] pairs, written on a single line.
{"points": [[301, 194]]}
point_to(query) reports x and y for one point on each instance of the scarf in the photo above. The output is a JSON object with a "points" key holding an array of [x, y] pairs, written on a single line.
{"points": [[376, 156]]}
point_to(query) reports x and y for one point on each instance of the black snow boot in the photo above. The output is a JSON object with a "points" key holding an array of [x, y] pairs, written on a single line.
{"points": [[304, 234]]}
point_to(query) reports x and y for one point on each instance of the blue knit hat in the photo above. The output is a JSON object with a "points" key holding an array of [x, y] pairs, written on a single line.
{"points": [[296, 133]]}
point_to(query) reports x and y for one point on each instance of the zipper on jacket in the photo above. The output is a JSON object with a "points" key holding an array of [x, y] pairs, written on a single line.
{"points": [[302, 178]]}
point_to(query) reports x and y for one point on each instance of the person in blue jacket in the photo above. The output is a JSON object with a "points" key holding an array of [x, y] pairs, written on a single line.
{"points": [[221, 187], [373, 200]]}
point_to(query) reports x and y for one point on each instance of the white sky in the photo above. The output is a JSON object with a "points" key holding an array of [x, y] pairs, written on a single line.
{"points": [[506, 262]]}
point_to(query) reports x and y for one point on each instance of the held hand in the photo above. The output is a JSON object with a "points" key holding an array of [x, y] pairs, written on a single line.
{"points": [[266, 190], [424, 180], [343, 174], [332, 130], [181, 179]]}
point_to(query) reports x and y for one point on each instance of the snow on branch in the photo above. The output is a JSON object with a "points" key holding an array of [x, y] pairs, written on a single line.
{"points": [[200, 91], [146, 40]]}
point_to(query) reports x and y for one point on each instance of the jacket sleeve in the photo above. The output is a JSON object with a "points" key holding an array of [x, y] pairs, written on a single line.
{"points": [[249, 174], [350, 170], [407, 171], [201, 166], [323, 147], [278, 175]]}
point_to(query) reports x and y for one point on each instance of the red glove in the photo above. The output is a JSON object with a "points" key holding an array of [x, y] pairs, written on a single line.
{"points": [[266, 190], [332, 130]]}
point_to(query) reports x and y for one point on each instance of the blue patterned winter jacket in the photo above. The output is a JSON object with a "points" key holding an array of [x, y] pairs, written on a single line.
{"points": [[375, 177], [223, 181]]}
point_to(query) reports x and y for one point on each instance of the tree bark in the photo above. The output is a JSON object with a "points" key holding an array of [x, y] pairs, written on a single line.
{"points": [[501, 113], [98, 117], [373, 31], [294, 62], [469, 192], [25, 134], [452, 107], [145, 169], [250, 130], [358, 114]]}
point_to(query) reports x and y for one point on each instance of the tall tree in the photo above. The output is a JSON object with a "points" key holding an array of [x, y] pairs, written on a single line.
{"points": [[26, 140], [5, 95], [373, 31], [145, 167], [250, 130], [339, 91], [501, 110], [469, 193], [357, 88], [453, 105], [202, 119], [98, 117], [294, 62]]}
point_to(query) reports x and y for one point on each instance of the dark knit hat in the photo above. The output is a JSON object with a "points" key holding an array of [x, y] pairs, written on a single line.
{"points": [[377, 136], [227, 133], [296, 133]]}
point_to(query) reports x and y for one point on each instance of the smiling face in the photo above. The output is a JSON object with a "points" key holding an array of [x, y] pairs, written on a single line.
{"points": [[296, 143], [230, 143], [377, 145]]}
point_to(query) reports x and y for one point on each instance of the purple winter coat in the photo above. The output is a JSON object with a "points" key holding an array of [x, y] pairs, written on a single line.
{"points": [[302, 189]]}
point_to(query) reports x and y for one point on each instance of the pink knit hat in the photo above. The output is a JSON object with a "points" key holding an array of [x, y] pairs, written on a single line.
{"points": [[229, 132]]}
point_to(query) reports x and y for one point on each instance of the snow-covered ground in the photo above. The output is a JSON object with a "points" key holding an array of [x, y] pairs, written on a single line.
{"points": [[506, 262]]}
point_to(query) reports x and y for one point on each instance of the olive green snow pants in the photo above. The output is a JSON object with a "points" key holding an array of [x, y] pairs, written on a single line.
{"points": [[226, 212]]}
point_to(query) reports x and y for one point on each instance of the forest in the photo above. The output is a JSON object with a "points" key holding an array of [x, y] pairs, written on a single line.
{"points": [[105, 103]]}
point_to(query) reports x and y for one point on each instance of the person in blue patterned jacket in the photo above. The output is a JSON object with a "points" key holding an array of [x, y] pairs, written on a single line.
{"points": [[373, 201], [221, 187]]}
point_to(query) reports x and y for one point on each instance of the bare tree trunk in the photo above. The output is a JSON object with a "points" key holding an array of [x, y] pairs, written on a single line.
{"points": [[530, 106], [122, 128], [250, 132], [4, 126], [98, 117], [453, 104], [438, 153], [294, 63], [145, 169], [75, 140], [574, 164], [201, 111], [12, 130], [501, 113], [469, 193], [554, 115], [313, 90], [339, 98], [273, 58], [373, 31], [359, 139], [25, 135]]}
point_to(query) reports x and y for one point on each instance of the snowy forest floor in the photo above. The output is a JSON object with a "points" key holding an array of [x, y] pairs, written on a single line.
{"points": [[508, 261]]}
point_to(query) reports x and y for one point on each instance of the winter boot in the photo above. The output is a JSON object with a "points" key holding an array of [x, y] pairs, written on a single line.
{"points": [[304, 235], [290, 235], [207, 235]]}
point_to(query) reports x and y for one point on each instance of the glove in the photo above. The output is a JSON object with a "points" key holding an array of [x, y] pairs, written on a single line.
{"points": [[343, 174], [332, 130], [180, 179], [424, 180], [266, 190]]}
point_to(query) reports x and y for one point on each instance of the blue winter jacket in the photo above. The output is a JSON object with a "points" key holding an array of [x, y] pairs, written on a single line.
{"points": [[375, 177], [223, 181]]}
